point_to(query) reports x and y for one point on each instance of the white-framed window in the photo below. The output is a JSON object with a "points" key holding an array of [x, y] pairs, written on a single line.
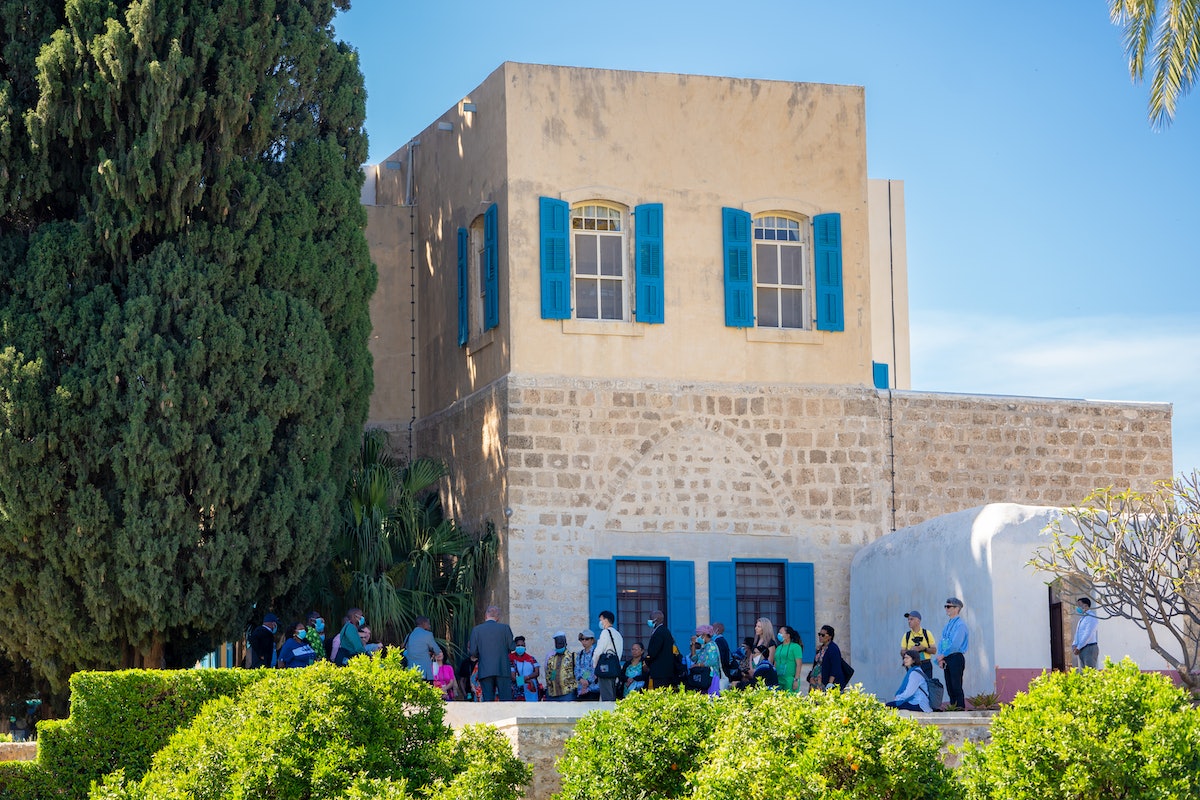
{"points": [[781, 272], [600, 280]]}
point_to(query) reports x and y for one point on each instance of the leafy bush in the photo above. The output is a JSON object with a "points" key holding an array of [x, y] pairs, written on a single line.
{"points": [[369, 730], [118, 719], [753, 744], [826, 745], [644, 747], [483, 766], [1097, 733], [24, 780]]}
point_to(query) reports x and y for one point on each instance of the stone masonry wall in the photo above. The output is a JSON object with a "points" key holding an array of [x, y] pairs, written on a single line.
{"points": [[712, 472], [960, 451]]}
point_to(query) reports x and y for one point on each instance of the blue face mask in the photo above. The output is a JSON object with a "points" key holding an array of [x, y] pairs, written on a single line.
{"points": [[362, 621], [301, 634], [560, 649], [520, 649], [779, 637], [320, 626], [650, 622]]}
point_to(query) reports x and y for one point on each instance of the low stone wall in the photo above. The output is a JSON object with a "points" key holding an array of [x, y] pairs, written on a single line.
{"points": [[18, 751]]}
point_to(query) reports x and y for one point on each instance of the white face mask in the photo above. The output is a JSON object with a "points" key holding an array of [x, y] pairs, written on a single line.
{"points": [[757, 660]]}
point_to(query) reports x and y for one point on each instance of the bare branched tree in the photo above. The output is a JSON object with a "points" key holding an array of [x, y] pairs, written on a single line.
{"points": [[1137, 554]]}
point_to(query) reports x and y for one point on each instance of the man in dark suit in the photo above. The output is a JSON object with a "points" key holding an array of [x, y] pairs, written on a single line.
{"points": [[490, 643], [660, 653], [262, 642]]}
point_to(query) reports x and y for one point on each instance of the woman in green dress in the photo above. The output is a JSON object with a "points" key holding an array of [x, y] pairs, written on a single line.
{"points": [[788, 657]]}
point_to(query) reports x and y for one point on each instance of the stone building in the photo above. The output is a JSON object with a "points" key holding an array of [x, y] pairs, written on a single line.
{"points": [[657, 325]]}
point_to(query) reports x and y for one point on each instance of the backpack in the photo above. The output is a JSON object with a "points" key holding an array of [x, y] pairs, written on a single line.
{"points": [[847, 673], [934, 688]]}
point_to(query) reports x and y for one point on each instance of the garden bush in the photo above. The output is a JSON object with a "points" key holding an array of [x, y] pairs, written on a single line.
{"points": [[118, 719], [372, 729], [1112, 733], [753, 744]]}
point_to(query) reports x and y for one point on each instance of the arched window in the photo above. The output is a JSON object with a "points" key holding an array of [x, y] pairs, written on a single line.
{"points": [[599, 260], [781, 272]]}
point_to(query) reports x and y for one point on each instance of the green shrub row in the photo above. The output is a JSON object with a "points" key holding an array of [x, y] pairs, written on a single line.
{"points": [[1113, 733], [372, 729]]}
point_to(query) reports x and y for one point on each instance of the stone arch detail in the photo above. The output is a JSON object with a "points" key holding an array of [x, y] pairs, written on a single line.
{"points": [[726, 438]]}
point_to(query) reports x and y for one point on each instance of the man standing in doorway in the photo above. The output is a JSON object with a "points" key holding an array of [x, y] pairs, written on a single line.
{"points": [[490, 643], [660, 652], [952, 652], [1086, 645], [262, 642]]}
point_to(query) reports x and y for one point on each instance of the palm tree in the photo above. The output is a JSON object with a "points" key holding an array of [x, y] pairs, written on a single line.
{"points": [[397, 557], [1167, 36]]}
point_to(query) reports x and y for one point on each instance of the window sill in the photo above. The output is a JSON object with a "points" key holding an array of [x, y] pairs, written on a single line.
{"points": [[784, 336], [598, 328], [481, 341]]}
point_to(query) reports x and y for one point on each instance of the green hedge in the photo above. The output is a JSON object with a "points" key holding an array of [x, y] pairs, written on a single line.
{"points": [[118, 719], [755, 744], [1108, 733], [373, 729]]}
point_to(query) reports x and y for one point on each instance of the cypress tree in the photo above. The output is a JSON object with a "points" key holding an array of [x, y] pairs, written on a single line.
{"points": [[184, 281]]}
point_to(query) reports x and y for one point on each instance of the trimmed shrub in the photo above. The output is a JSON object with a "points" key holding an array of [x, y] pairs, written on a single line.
{"points": [[24, 780], [827, 745], [483, 767], [372, 729], [1098, 733], [118, 719], [644, 747], [753, 744]]}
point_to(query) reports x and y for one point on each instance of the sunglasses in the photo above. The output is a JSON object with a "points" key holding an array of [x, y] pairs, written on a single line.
{"points": [[949, 605]]}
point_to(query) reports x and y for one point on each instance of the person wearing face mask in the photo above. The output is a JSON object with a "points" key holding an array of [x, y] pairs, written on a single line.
{"points": [[316, 635], [262, 642], [660, 653], [525, 672], [1086, 645], [349, 643], [296, 651], [560, 671]]}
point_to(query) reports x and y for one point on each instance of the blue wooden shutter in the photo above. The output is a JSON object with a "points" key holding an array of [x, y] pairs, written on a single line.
{"points": [[602, 590], [681, 601], [739, 277], [491, 265], [555, 218], [463, 310], [827, 233], [879, 374], [801, 608], [648, 224], [722, 597]]}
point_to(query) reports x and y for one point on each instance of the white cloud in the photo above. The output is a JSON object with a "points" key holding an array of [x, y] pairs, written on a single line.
{"points": [[1097, 358]]}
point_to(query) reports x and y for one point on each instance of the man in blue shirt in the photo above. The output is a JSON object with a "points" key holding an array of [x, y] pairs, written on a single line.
{"points": [[1086, 645], [952, 652]]}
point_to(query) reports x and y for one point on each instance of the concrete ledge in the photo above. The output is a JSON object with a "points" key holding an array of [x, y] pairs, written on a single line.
{"points": [[18, 751]]}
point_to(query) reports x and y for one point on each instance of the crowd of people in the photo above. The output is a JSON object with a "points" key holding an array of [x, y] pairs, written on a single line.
{"points": [[499, 666]]}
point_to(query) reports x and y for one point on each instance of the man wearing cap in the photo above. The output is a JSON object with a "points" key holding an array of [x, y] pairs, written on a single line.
{"points": [[262, 642], [919, 639], [586, 687], [560, 671], [1086, 645], [952, 652]]}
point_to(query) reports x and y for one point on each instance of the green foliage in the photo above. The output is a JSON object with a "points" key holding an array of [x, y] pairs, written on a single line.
{"points": [[755, 743], [826, 745], [1162, 36], [184, 281], [644, 747], [371, 729], [25, 780], [984, 701], [1112, 733], [483, 767], [397, 557]]}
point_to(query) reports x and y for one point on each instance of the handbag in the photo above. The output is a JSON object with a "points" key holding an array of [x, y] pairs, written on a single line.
{"points": [[609, 665]]}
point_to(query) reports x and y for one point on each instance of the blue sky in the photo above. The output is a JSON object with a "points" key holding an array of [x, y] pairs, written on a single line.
{"points": [[1052, 235]]}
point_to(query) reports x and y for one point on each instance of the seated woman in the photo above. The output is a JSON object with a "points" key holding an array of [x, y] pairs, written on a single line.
{"points": [[634, 673], [913, 694], [443, 676]]}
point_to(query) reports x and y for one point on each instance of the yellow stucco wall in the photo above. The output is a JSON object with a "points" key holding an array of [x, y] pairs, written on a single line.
{"points": [[694, 144]]}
